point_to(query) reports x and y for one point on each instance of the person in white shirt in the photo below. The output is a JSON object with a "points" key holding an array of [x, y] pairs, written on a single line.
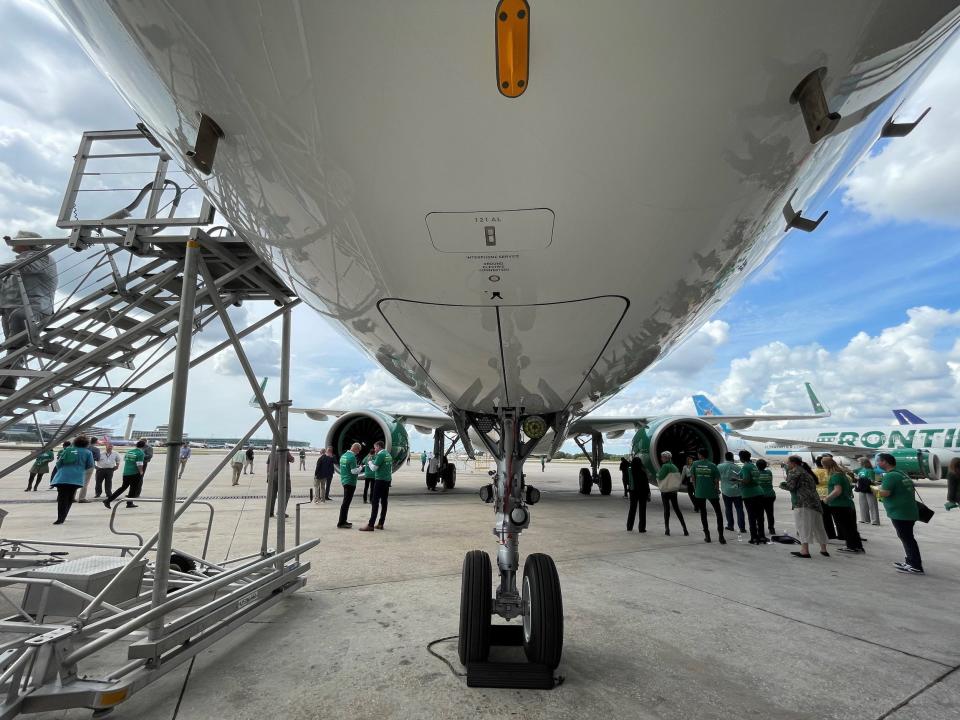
{"points": [[185, 453], [236, 464], [109, 461]]}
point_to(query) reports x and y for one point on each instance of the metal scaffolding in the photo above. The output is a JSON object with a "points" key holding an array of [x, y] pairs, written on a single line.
{"points": [[104, 344]]}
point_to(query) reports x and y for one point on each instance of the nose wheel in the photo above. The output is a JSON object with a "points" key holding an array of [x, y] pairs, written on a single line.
{"points": [[542, 611], [475, 601]]}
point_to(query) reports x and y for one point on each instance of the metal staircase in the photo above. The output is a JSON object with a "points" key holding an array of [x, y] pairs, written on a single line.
{"points": [[94, 353]]}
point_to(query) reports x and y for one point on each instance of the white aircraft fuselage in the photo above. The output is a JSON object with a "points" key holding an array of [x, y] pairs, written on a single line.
{"points": [[534, 252], [939, 439]]}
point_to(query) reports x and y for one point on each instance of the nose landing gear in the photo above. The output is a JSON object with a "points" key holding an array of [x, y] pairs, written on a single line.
{"points": [[538, 602]]}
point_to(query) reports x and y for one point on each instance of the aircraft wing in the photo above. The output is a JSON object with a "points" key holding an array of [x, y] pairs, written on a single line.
{"points": [[832, 448], [616, 426], [424, 422]]}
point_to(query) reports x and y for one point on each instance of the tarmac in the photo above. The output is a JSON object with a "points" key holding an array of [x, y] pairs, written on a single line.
{"points": [[655, 627]]}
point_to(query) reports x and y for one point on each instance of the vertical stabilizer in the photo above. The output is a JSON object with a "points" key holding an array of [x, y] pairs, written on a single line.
{"points": [[705, 408], [905, 417], [253, 398], [814, 400]]}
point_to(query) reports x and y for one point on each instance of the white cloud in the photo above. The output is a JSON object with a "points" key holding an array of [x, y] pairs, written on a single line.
{"points": [[378, 389], [910, 364], [916, 177], [697, 353]]}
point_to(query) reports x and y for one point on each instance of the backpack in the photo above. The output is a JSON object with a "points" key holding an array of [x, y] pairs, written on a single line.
{"points": [[70, 456]]}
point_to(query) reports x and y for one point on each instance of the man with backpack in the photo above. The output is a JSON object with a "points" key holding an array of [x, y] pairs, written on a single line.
{"points": [[133, 465]]}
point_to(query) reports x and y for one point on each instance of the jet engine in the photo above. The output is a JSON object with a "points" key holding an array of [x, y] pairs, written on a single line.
{"points": [[367, 427], [920, 464], [682, 436]]}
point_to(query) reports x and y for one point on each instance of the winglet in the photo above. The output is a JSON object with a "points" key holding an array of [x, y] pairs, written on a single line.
{"points": [[905, 417], [815, 401]]}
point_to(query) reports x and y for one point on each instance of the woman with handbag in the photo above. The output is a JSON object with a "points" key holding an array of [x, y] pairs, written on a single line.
{"points": [[668, 480], [840, 501], [897, 492]]}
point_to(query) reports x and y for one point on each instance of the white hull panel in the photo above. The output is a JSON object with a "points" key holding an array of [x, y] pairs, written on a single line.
{"points": [[631, 188]]}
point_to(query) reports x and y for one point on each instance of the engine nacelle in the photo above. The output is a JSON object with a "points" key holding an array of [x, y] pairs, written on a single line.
{"points": [[682, 436], [367, 427], [917, 463]]}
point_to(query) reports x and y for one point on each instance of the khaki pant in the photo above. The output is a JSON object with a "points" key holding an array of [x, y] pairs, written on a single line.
{"points": [[88, 473], [236, 467]]}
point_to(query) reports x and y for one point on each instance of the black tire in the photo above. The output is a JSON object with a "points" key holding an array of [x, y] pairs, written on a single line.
{"points": [[543, 611], [181, 563], [476, 589], [586, 481], [449, 476], [606, 482], [432, 480]]}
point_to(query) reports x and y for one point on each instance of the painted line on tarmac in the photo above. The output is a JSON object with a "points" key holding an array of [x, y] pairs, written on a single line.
{"points": [[928, 686], [781, 615]]}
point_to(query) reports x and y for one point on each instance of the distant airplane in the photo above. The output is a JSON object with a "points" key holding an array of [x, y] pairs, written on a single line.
{"points": [[905, 417], [921, 451]]}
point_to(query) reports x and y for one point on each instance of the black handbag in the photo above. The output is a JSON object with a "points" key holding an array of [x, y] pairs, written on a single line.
{"points": [[925, 513]]}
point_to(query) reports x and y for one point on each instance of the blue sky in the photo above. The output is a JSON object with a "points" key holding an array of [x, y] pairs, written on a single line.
{"points": [[867, 307]]}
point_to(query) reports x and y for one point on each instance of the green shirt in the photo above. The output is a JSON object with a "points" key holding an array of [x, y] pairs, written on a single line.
{"points": [[765, 481], [384, 463], [845, 498], [348, 462], [367, 472], [900, 504], [42, 463], [729, 478], [423, 457], [130, 460], [706, 479], [750, 481], [665, 470]]}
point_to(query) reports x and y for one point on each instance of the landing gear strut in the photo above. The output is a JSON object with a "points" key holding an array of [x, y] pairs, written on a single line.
{"points": [[441, 470], [536, 599], [594, 474]]}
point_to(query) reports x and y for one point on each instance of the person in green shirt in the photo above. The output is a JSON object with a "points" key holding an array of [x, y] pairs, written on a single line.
{"points": [[40, 467], [349, 469], [730, 490], [382, 467], [840, 501], [669, 477], [866, 479], [897, 493], [133, 464], [752, 495], [367, 474], [423, 459], [706, 488], [769, 497]]}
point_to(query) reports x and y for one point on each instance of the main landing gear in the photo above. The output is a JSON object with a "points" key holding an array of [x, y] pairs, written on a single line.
{"points": [[537, 601], [593, 475], [440, 470]]}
